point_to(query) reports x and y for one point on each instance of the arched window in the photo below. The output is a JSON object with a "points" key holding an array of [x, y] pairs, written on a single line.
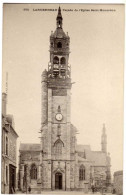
{"points": [[58, 148], [6, 151], [59, 45], [55, 60], [33, 171], [63, 60], [82, 173]]}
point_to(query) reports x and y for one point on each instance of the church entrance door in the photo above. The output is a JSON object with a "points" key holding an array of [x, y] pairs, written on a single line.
{"points": [[58, 181], [33, 171]]}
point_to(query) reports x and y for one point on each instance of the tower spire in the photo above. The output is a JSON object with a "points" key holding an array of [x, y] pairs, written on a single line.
{"points": [[104, 139], [59, 10], [59, 18]]}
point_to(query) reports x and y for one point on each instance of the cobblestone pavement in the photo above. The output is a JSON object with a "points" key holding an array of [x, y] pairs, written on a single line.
{"points": [[63, 193]]}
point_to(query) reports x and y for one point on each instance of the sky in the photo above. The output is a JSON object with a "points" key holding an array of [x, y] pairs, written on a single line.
{"points": [[97, 59]]}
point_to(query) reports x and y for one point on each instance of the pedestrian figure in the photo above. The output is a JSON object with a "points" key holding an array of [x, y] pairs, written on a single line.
{"points": [[93, 188], [29, 189]]}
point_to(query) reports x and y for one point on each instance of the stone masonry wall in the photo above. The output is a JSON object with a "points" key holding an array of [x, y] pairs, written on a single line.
{"points": [[118, 182]]}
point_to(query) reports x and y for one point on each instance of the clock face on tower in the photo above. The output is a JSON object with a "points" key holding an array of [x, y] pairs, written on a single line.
{"points": [[59, 117]]}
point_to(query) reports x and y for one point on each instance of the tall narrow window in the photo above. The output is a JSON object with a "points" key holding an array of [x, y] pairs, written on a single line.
{"points": [[6, 174], [6, 151], [58, 148], [82, 173]]}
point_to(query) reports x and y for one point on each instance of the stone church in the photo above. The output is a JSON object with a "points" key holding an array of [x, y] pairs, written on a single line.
{"points": [[58, 162]]}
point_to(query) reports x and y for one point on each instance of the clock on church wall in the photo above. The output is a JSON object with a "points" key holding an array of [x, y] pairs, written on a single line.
{"points": [[59, 116], [59, 109]]}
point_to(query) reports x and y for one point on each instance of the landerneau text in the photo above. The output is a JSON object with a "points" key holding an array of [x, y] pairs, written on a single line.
{"points": [[71, 10]]}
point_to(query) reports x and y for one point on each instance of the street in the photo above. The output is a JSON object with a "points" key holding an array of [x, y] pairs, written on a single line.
{"points": [[59, 192]]}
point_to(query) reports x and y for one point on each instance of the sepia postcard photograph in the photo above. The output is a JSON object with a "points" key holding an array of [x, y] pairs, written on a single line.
{"points": [[62, 98]]}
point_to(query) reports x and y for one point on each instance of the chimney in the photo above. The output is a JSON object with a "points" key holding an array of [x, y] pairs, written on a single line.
{"points": [[4, 103]]}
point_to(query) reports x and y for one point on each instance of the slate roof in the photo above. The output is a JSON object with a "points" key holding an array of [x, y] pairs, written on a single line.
{"points": [[30, 147], [117, 173], [82, 159], [59, 33], [97, 157]]}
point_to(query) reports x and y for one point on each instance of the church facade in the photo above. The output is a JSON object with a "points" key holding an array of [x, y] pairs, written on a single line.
{"points": [[58, 162]]}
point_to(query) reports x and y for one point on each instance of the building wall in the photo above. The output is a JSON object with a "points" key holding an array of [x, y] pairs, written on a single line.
{"points": [[9, 158], [9, 137], [12, 146], [28, 158], [4, 177], [5, 160], [118, 182]]}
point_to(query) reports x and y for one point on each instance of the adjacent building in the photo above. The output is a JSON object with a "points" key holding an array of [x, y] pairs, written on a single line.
{"points": [[118, 182], [9, 147], [58, 162]]}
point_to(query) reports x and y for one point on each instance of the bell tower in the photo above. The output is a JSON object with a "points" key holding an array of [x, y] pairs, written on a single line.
{"points": [[55, 124], [58, 67]]}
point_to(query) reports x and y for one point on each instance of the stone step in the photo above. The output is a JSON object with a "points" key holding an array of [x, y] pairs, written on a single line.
{"points": [[35, 191], [33, 183]]}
